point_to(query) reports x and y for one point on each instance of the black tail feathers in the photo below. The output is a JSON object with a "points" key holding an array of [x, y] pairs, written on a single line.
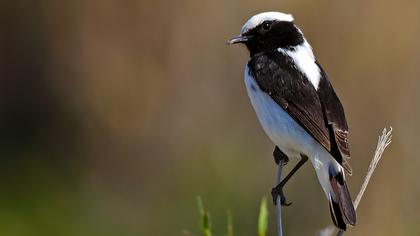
{"points": [[341, 206]]}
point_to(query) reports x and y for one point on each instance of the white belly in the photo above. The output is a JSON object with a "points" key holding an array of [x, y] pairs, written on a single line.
{"points": [[280, 127]]}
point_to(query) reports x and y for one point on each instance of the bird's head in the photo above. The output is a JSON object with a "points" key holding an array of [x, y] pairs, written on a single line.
{"points": [[269, 31]]}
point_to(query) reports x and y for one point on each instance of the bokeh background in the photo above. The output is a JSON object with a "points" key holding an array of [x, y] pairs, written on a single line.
{"points": [[116, 115]]}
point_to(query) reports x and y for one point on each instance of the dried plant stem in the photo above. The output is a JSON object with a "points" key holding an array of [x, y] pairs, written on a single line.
{"points": [[278, 201], [383, 141]]}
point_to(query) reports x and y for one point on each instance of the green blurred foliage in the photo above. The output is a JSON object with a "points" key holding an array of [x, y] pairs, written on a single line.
{"points": [[229, 224], [263, 218], [115, 115], [205, 222]]}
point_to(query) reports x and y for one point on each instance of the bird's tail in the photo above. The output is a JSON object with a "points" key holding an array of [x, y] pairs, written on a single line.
{"points": [[341, 205]]}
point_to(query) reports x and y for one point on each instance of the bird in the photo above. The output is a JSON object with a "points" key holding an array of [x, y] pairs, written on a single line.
{"points": [[297, 107]]}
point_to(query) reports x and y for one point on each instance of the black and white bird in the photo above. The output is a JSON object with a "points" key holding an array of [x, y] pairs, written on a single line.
{"points": [[297, 107]]}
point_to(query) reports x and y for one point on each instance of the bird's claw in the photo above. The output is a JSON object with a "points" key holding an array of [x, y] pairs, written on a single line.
{"points": [[278, 192]]}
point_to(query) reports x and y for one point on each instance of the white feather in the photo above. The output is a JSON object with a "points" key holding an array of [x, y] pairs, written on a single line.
{"points": [[265, 16], [304, 59]]}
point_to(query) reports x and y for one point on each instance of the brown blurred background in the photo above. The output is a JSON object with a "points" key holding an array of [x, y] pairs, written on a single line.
{"points": [[115, 115]]}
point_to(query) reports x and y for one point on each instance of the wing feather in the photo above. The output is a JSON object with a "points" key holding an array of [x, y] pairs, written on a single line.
{"points": [[321, 114], [336, 120], [293, 92]]}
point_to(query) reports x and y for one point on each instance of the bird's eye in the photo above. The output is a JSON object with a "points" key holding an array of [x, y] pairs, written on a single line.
{"points": [[266, 26]]}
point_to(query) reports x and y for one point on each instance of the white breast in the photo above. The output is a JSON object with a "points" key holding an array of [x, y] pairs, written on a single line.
{"points": [[280, 127]]}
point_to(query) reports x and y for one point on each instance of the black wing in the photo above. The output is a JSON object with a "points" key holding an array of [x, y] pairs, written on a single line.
{"points": [[336, 120], [276, 76]]}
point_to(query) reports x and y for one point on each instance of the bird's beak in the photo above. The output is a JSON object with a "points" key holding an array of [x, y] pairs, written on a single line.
{"points": [[238, 39]]}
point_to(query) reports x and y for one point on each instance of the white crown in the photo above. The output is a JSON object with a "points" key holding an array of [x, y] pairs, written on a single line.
{"points": [[265, 16]]}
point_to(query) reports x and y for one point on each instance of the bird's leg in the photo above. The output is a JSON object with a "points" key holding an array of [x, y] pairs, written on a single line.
{"points": [[302, 161], [278, 190], [279, 155]]}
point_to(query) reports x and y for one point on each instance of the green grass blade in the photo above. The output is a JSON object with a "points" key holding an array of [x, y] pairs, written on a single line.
{"points": [[263, 218], [229, 224], [205, 224]]}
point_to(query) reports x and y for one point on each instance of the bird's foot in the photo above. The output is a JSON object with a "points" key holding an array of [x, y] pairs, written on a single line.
{"points": [[278, 192]]}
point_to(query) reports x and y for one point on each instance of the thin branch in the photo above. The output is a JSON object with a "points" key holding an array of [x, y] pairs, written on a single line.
{"points": [[383, 141], [278, 201]]}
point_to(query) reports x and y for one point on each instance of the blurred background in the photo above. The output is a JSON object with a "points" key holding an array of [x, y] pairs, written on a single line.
{"points": [[116, 115]]}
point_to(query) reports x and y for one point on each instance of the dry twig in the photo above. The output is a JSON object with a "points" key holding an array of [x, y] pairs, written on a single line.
{"points": [[383, 141], [278, 201]]}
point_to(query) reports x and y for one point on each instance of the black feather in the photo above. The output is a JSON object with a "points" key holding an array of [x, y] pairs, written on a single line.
{"points": [[340, 201], [336, 121]]}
